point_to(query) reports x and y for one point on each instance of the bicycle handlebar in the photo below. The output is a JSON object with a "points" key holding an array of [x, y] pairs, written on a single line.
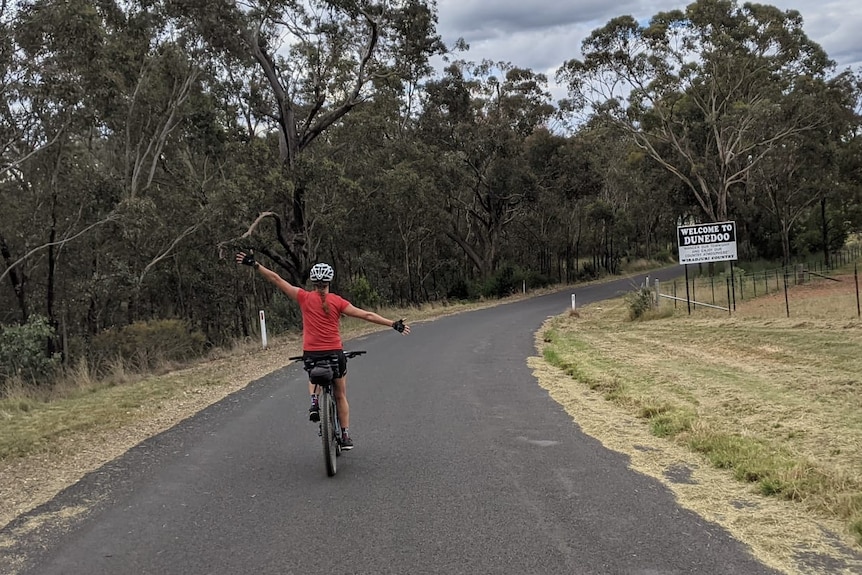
{"points": [[347, 354]]}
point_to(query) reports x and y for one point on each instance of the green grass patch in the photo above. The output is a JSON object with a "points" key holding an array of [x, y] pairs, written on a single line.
{"points": [[750, 460], [667, 421], [32, 425], [856, 526]]}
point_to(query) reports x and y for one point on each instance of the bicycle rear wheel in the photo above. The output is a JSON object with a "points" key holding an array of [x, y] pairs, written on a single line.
{"points": [[327, 428]]}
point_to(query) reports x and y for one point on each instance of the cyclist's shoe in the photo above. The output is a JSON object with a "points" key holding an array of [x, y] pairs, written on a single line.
{"points": [[314, 413], [346, 442]]}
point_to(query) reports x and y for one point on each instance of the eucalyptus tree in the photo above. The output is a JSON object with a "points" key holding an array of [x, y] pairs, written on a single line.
{"points": [[612, 220], [567, 182], [840, 210], [44, 178], [319, 59], [702, 90], [796, 174], [110, 172], [538, 238], [479, 117], [381, 225], [151, 122]]}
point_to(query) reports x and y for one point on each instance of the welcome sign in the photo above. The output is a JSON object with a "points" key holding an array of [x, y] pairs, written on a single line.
{"points": [[703, 243]]}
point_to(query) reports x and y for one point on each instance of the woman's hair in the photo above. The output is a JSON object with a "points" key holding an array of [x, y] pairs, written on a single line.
{"points": [[320, 287]]}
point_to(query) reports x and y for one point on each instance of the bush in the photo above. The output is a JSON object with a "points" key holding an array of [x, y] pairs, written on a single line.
{"points": [[505, 282], [460, 290], [588, 272], [24, 350], [145, 344], [639, 301], [509, 280], [282, 316], [362, 294], [664, 257], [536, 280]]}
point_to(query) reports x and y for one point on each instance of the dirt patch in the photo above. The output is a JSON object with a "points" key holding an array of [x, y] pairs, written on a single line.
{"points": [[815, 299]]}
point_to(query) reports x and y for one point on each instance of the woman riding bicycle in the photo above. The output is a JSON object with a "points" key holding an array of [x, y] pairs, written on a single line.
{"points": [[321, 335]]}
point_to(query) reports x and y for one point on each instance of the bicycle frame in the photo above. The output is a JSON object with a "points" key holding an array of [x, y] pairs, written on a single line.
{"points": [[320, 374]]}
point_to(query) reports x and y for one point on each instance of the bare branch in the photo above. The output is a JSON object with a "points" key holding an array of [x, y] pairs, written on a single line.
{"points": [[188, 231], [353, 99], [251, 229], [286, 114], [155, 143], [180, 96], [15, 163], [61, 242]]}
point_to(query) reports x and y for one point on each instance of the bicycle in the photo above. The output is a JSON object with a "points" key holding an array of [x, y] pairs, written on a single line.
{"points": [[320, 374]]}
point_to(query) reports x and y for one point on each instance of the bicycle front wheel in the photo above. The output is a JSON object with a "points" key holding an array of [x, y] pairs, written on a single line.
{"points": [[327, 428]]}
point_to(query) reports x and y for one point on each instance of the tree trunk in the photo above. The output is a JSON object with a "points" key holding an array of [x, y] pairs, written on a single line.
{"points": [[785, 241], [18, 279], [49, 288], [824, 233], [471, 254]]}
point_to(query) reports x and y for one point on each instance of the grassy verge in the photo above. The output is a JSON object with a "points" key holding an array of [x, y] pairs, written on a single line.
{"points": [[775, 401]]}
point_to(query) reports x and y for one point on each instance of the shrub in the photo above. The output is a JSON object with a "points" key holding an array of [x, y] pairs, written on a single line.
{"points": [[511, 279], [536, 280], [145, 344], [24, 350], [282, 316], [460, 290], [362, 294], [503, 283], [639, 301], [588, 272], [664, 256]]}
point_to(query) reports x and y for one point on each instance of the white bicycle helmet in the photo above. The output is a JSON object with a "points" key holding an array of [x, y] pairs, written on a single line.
{"points": [[321, 273]]}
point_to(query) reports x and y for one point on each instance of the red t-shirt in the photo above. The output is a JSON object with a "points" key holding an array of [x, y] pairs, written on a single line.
{"points": [[320, 332]]}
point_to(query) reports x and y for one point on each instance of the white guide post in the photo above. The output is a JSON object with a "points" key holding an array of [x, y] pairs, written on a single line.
{"points": [[263, 329]]}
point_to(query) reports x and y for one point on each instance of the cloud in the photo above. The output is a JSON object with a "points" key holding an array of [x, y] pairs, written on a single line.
{"points": [[542, 34], [480, 19], [835, 26]]}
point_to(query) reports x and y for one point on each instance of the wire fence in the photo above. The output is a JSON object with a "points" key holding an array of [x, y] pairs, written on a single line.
{"points": [[837, 282]]}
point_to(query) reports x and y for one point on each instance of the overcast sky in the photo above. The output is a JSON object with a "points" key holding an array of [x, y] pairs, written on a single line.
{"points": [[541, 34]]}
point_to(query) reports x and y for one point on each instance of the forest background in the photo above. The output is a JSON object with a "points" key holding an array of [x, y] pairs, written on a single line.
{"points": [[142, 142]]}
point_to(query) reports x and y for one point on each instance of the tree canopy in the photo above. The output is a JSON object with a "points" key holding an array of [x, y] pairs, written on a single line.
{"points": [[142, 142]]}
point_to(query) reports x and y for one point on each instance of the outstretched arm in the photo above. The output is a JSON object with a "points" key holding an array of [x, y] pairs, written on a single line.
{"points": [[278, 281], [372, 317]]}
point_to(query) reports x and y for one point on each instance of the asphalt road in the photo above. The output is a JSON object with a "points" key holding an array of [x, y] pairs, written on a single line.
{"points": [[463, 464]]}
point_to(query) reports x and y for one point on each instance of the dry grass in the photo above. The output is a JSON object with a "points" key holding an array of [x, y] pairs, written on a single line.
{"points": [[775, 403], [816, 297]]}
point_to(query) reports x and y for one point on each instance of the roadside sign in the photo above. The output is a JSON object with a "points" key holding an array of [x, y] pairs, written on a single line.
{"points": [[703, 243]]}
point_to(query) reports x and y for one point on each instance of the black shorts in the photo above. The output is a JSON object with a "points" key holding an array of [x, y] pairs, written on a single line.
{"points": [[337, 361]]}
